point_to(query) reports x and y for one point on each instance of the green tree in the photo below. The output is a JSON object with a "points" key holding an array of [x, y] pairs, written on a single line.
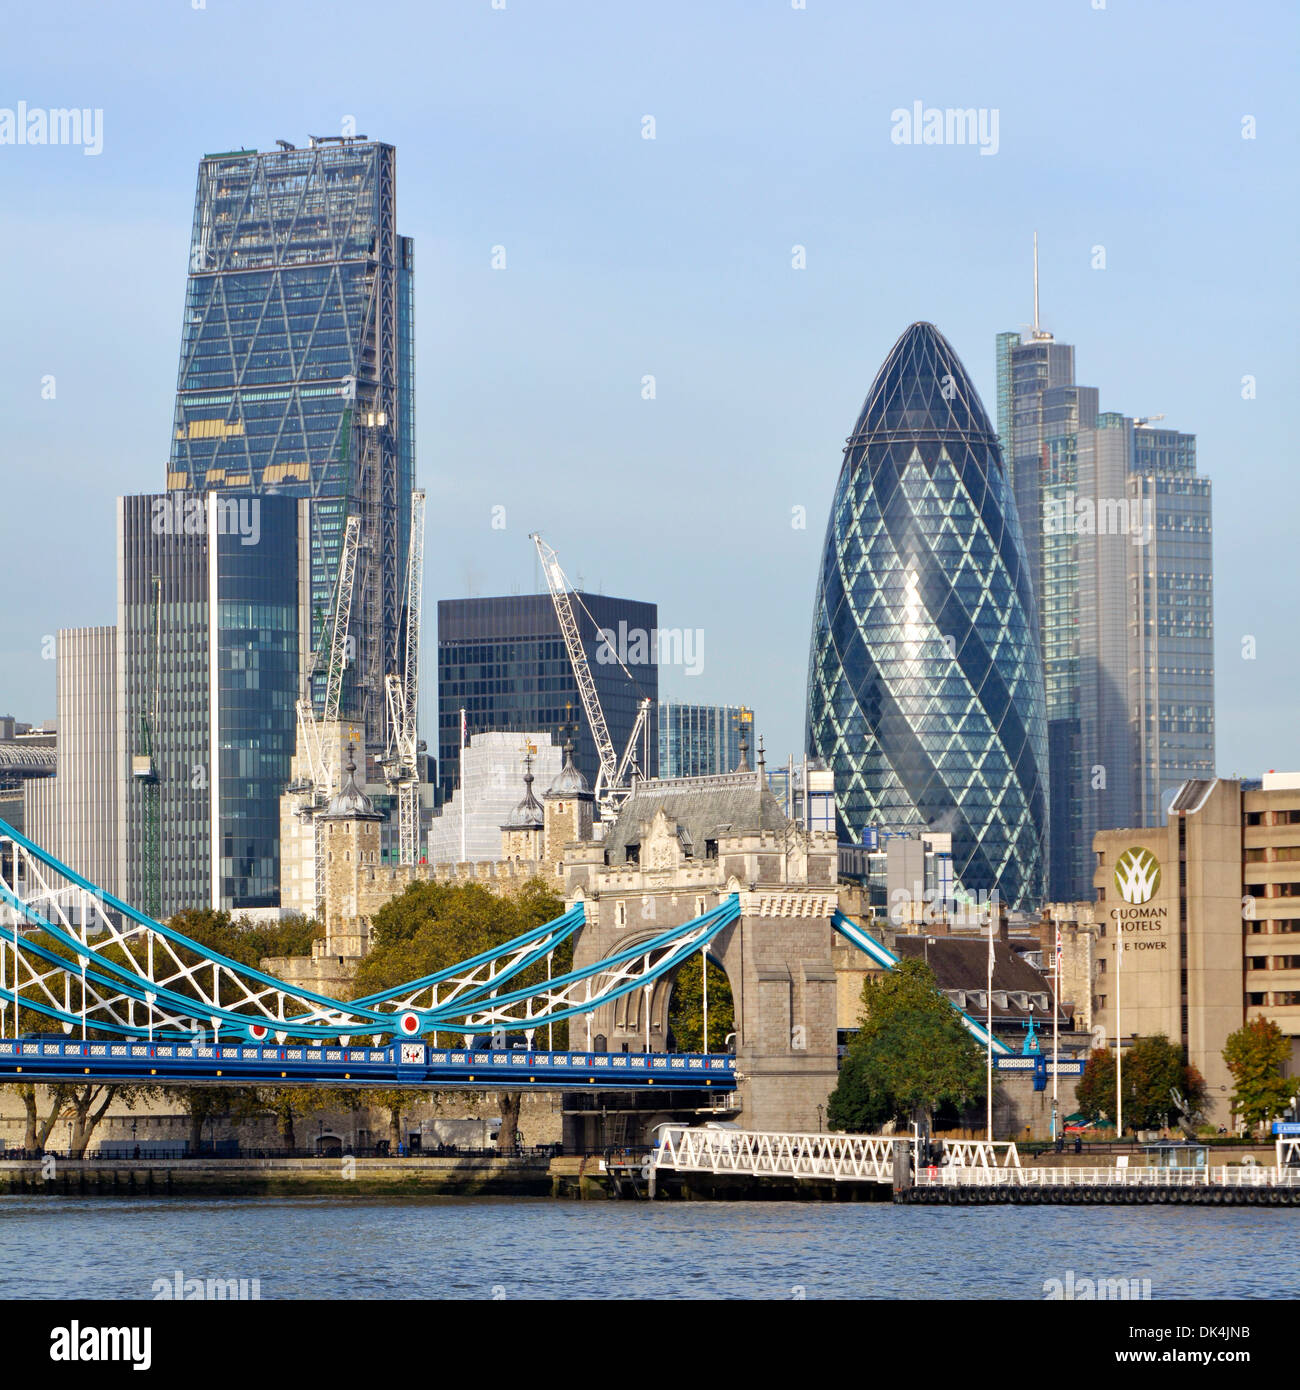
{"points": [[1256, 1055], [911, 1054], [686, 1009], [286, 1105], [241, 938], [435, 925], [397, 1102], [38, 1125], [1153, 1070], [204, 1103]]}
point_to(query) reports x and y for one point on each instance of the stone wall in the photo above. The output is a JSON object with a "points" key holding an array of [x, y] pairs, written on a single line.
{"points": [[162, 1120]]}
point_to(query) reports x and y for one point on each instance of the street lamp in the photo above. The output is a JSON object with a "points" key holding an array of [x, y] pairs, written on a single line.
{"points": [[929, 941]]}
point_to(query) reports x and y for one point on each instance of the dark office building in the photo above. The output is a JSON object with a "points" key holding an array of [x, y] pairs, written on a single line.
{"points": [[211, 619], [297, 369], [503, 661]]}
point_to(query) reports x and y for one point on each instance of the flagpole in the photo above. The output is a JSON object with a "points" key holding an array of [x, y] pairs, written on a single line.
{"points": [[704, 977], [1056, 1029], [1119, 1035], [989, 1030], [462, 786]]}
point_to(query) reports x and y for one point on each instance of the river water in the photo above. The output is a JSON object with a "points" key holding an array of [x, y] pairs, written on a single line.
{"points": [[520, 1248]]}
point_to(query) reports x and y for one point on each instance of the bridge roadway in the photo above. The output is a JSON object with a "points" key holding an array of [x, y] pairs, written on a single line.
{"points": [[413, 1064]]}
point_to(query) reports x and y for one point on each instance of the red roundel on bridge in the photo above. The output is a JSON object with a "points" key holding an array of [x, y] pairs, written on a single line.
{"points": [[408, 1024], [258, 1032]]}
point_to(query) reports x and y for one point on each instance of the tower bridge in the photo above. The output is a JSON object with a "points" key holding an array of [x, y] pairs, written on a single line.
{"points": [[127, 998]]}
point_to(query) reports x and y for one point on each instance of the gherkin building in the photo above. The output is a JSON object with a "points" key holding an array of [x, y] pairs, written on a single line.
{"points": [[925, 682]]}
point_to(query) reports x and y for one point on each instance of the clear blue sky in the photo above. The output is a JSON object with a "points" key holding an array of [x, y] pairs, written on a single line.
{"points": [[522, 127]]}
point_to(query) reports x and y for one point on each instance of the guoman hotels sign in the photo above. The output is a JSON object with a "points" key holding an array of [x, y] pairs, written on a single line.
{"points": [[1137, 880]]}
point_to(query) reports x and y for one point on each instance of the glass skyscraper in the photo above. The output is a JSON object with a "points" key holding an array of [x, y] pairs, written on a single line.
{"points": [[703, 740], [297, 369], [503, 661], [210, 634], [1117, 529], [925, 687]]}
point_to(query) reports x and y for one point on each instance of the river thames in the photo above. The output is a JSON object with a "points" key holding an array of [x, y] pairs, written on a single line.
{"points": [[524, 1248]]}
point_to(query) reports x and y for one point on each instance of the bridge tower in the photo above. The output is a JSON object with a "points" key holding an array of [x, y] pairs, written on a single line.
{"points": [[678, 848]]}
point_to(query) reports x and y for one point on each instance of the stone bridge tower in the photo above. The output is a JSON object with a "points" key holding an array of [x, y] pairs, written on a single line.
{"points": [[678, 848]]}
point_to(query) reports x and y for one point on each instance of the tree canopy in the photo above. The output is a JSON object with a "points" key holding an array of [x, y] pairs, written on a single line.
{"points": [[1255, 1055], [911, 1054], [1153, 1070], [435, 925], [686, 1009]]}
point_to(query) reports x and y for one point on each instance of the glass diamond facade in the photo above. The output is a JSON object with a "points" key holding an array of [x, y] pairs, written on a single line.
{"points": [[925, 686], [297, 368]]}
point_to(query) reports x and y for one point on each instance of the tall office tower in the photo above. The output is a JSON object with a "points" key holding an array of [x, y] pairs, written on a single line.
{"points": [[503, 661], [925, 689], [703, 740], [1171, 617], [74, 813], [297, 370], [1113, 735], [212, 630]]}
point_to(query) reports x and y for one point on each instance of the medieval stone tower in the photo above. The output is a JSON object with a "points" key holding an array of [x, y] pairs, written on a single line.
{"points": [[569, 808], [351, 828]]}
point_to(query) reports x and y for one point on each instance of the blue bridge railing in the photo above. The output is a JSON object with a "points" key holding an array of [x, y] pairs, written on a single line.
{"points": [[401, 1063]]}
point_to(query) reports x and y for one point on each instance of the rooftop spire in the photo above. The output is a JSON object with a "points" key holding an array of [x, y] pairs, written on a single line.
{"points": [[1041, 334]]}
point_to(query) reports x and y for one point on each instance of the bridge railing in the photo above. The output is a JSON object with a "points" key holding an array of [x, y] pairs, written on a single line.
{"points": [[840, 1157], [1242, 1176]]}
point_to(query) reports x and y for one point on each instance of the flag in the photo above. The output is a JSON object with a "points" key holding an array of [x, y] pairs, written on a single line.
{"points": [[464, 729]]}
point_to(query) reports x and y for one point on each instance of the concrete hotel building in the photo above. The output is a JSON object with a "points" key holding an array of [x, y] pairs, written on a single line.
{"points": [[1208, 910]]}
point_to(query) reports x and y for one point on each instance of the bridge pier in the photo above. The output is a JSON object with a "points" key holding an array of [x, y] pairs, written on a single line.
{"points": [[777, 958]]}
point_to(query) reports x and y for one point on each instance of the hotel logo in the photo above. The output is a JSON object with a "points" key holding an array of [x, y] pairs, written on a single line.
{"points": [[1137, 875]]}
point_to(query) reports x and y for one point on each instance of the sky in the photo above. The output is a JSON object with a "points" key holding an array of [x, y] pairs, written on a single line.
{"points": [[522, 124]]}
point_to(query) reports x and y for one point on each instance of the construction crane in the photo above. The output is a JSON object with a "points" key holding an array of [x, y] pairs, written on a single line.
{"points": [[322, 777], [612, 780], [402, 691]]}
